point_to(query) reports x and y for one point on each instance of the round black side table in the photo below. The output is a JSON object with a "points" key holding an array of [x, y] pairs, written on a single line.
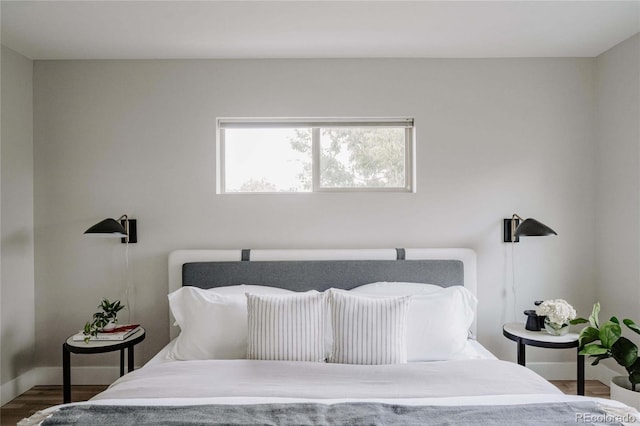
{"points": [[515, 331], [96, 347]]}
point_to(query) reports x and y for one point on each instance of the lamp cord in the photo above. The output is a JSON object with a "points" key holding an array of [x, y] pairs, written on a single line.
{"points": [[127, 281], [513, 280]]}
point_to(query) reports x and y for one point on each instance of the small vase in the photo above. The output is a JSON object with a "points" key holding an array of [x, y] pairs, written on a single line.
{"points": [[555, 329], [532, 320], [110, 326]]}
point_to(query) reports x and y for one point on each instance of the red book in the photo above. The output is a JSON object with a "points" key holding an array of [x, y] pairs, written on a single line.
{"points": [[118, 333], [122, 328]]}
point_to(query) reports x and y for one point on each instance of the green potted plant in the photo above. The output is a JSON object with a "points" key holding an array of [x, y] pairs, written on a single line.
{"points": [[602, 341], [105, 319]]}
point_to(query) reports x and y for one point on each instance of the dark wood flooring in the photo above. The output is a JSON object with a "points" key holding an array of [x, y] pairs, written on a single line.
{"points": [[41, 397]]}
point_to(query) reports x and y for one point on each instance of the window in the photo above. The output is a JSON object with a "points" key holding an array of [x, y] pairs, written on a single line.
{"points": [[311, 155]]}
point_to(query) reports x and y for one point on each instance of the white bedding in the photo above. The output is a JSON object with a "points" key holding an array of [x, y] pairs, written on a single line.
{"points": [[472, 350], [480, 379], [315, 380], [163, 377]]}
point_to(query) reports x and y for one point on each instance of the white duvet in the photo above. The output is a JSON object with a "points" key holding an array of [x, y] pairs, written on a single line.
{"points": [[314, 380], [479, 381]]}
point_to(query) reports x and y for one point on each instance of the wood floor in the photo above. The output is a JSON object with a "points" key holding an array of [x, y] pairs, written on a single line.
{"points": [[41, 397], [591, 388]]}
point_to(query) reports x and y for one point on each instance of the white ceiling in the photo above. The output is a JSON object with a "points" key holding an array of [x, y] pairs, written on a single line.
{"points": [[315, 29]]}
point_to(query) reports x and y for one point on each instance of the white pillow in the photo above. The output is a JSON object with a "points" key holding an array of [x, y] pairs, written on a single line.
{"points": [[213, 322], [389, 288], [438, 320], [212, 325], [286, 327], [438, 324], [368, 330]]}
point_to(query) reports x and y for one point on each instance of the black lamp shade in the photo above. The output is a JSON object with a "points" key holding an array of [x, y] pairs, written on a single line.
{"points": [[513, 229], [533, 228], [107, 228]]}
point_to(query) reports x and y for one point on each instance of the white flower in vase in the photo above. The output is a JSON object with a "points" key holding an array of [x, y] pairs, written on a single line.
{"points": [[557, 313]]}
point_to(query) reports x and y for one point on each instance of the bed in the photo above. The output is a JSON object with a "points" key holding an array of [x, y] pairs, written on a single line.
{"points": [[420, 364]]}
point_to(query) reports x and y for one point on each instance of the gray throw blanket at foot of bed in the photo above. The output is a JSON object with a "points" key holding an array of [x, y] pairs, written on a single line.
{"points": [[565, 413]]}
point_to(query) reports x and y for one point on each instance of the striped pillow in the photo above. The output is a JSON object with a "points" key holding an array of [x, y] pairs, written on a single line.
{"points": [[286, 327], [368, 330]]}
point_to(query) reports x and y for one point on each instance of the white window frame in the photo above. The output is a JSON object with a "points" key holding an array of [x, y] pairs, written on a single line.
{"points": [[316, 124]]}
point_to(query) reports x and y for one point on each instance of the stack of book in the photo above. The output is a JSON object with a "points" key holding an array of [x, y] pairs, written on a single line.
{"points": [[118, 333]]}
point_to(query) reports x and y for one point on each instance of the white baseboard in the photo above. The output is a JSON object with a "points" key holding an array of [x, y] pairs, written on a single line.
{"points": [[53, 376], [567, 371], [79, 375], [17, 386], [605, 374]]}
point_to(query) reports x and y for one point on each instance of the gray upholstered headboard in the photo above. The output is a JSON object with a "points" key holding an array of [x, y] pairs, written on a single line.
{"points": [[303, 270], [321, 274]]}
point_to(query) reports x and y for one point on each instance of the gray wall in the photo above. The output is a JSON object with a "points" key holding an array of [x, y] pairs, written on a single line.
{"points": [[618, 180], [17, 285], [494, 137]]}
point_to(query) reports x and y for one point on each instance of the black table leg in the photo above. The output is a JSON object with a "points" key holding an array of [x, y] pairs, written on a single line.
{"points": [[521, 355], [130, 359], [580, 374], [121, 362], [66, 375]]}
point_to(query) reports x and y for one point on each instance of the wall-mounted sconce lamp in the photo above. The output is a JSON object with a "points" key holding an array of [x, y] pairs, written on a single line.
{"points": [[513, 229], [123, 228], [127, 230]]}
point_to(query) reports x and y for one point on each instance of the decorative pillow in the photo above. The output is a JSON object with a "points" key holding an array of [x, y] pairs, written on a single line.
{"points": [[437, 322], [212, 326], [368, 330], [390, 288], [286, 327]]}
